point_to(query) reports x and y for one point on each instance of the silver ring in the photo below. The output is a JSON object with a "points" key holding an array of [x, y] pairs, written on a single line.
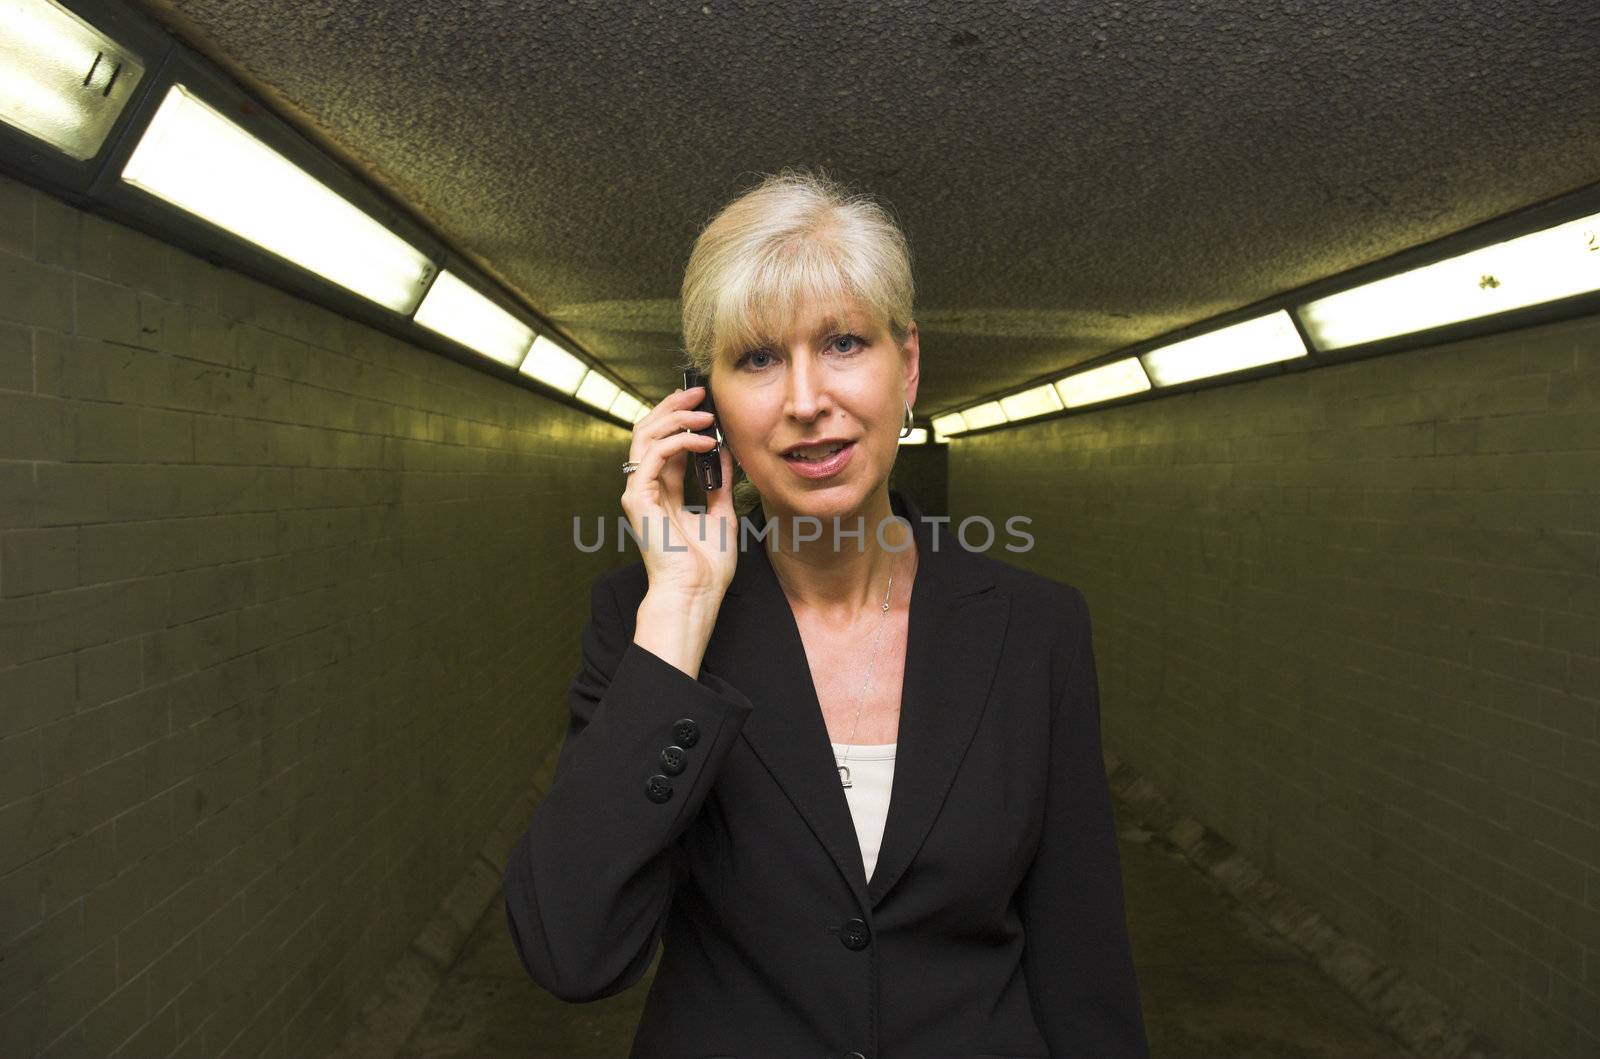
{"points": [[629, 467]]}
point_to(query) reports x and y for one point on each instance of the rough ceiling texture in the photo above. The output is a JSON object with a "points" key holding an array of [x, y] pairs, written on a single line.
{"points": [[1072, 176]]}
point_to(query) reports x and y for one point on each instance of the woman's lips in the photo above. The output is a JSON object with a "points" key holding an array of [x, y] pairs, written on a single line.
{"points": [[825, 468]]}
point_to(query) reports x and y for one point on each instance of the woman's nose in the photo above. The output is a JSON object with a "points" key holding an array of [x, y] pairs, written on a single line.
{"points": [[807, 390]]}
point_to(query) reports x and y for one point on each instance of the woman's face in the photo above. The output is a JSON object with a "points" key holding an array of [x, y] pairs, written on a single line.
{"points": [[827, 381]]}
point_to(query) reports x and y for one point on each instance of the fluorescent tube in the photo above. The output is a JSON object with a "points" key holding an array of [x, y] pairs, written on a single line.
{"points": [[945, 425], [984, 415], [1117, 379], [1543, 266], [61, 80], [553, 366], [918, 436], [1260, 341], [456, 311], [626, 406], [597, 390], [1031, 402], [198, 160]]}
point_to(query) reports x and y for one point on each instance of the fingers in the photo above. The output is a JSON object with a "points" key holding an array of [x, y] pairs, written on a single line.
{"points": [[654, 458], [677, 400], [661, 441], [671, 478], [674, 412], [654, 427]]}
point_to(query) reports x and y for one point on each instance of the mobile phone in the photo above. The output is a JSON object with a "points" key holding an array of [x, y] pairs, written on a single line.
{"points": [[707, 465]]}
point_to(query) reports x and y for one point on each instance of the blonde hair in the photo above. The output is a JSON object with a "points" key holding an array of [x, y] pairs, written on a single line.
{"points": [[797, 237]]}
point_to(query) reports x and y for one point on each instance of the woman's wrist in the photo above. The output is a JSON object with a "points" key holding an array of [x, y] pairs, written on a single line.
{"points": [[676, 629]]}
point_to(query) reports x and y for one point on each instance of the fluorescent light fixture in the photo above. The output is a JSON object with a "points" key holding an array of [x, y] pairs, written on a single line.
{"points": [[641, 413], [553, 366], [597, 390], [61, 80], [1117, 379], [626, 406], [457, 311], [918, 436], [945, 425], [1260, 341], [1035, 401], [984, 415], [199, 161], [1540, 267]]}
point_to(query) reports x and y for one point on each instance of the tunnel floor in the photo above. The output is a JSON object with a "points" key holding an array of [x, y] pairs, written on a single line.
{"points": [[1215, 982]]}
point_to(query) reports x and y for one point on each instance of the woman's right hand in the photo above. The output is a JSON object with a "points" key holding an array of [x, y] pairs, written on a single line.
{"points": [[690, 558]]}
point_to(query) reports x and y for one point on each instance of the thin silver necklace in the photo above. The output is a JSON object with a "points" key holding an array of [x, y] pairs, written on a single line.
{"points": [[872, 661]]}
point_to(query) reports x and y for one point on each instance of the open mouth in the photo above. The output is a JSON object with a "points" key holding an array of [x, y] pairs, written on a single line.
{"points": [[816, 453]]}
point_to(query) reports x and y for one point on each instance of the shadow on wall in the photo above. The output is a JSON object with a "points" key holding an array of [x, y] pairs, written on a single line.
{"points": [[922, 472]]}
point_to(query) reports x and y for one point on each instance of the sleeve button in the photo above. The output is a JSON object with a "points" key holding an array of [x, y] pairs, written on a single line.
{"points": [[659, 788], [673, 760], [685, 732]]}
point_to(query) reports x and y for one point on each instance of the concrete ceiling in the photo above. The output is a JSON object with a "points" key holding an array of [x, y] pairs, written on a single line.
{"points": [[1073, 176]]}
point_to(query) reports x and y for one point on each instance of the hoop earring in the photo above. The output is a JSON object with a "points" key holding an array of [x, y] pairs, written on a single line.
{"points": [[905, 431]]}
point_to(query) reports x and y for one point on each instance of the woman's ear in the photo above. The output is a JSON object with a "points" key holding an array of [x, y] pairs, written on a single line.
{"points": [[911, 359]]}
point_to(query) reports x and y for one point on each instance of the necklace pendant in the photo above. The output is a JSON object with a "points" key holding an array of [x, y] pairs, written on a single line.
{"points": [[844, 775]]}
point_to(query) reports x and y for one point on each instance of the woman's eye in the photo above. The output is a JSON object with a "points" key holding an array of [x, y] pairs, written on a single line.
{"points": [[848, 338], [754, 353]]}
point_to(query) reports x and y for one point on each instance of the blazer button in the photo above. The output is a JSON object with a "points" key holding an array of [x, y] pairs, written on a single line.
{"points": [[673, 760], [659, 788], [855, 935], [685, 732]]}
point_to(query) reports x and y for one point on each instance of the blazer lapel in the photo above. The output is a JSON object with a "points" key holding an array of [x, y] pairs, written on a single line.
{"points": [[957, 625]]}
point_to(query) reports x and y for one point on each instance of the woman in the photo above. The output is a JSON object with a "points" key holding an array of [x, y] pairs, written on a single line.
{"points": [[802, 910]]}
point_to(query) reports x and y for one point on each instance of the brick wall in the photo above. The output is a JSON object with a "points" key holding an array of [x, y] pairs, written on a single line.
{"points": [[287, 612], [1351, 618]]}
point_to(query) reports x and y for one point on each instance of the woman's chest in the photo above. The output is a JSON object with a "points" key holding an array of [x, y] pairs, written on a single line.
{"points": [[851, 674]]}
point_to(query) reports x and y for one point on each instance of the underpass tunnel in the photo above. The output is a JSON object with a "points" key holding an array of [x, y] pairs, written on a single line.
{"points": [[324, 332]]}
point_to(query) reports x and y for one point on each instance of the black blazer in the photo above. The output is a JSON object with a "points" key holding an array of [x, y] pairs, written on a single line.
{"points": [[707, 814]]}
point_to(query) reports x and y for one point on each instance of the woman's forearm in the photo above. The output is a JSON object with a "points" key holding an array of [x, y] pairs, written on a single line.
{"points": [[676, 630]]}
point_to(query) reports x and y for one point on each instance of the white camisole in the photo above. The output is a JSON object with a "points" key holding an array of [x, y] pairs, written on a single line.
{"points": [[871, 779]]}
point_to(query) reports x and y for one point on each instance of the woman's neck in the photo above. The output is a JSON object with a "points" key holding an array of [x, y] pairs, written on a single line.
{"points": [[840, 582]]}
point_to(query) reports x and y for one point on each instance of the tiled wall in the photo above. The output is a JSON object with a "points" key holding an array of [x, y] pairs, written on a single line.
{"points": [[1350, 618], [287, 613]]}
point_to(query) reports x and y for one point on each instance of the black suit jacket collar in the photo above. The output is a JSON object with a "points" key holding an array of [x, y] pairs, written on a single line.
{"points": [[956, 628]]}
